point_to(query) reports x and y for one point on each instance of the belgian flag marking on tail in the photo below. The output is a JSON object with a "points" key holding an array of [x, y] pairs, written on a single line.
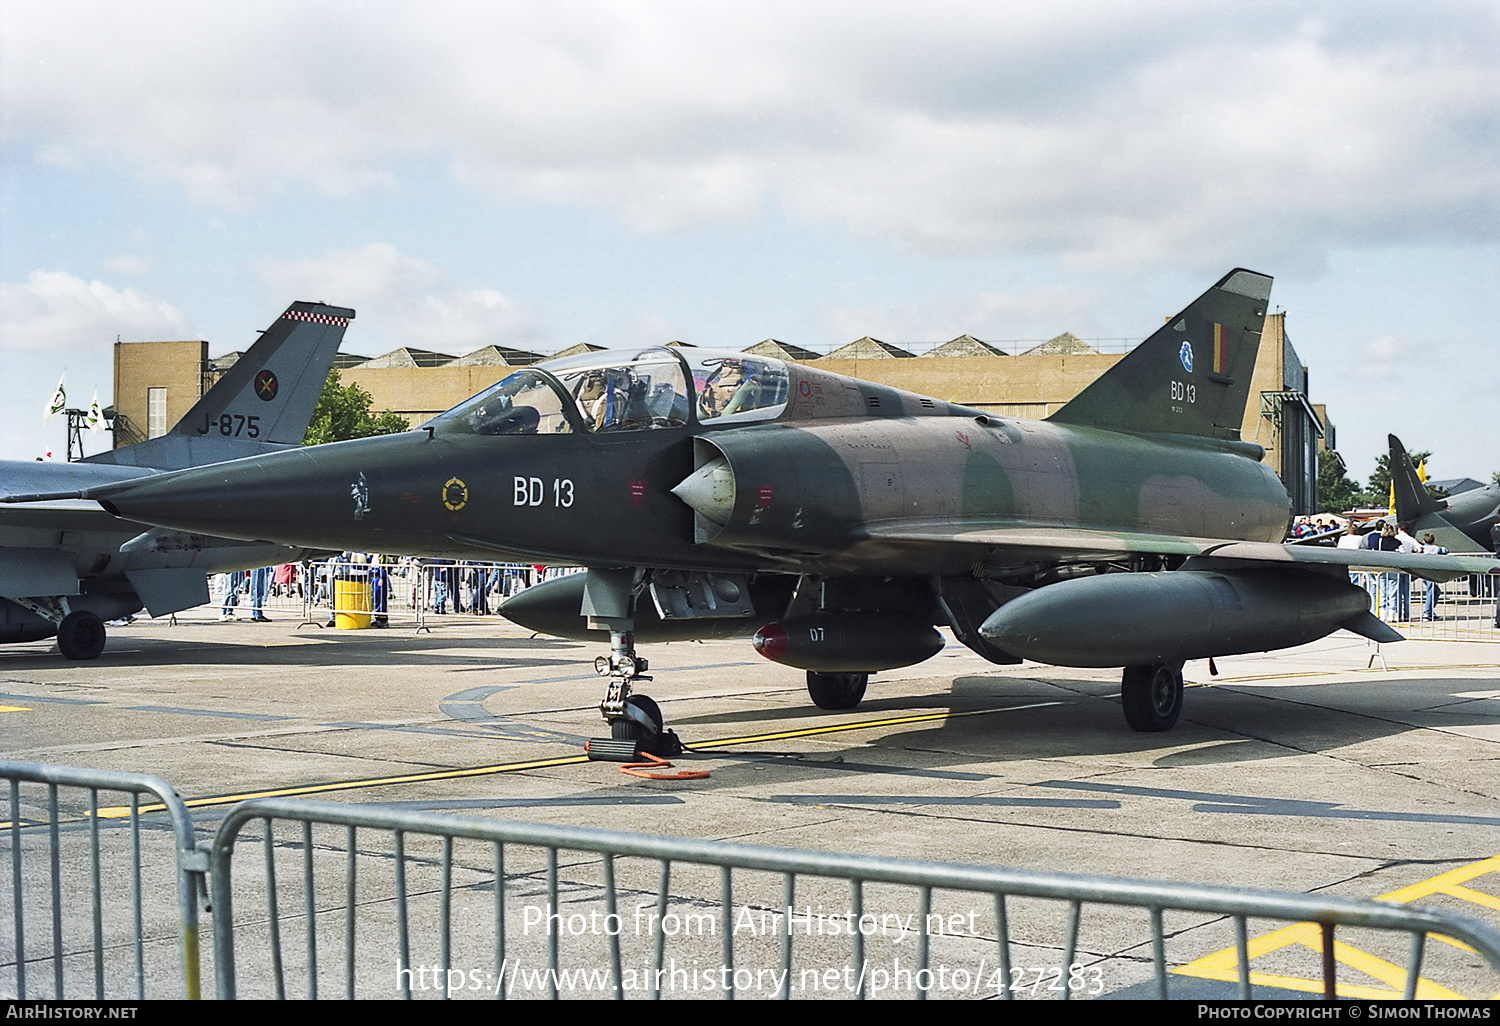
{"points": [[1218, 333]]}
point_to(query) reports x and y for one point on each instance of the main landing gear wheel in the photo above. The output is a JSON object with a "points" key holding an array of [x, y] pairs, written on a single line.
{"points": [[1152, 696], [836, 690], [80, 635]]}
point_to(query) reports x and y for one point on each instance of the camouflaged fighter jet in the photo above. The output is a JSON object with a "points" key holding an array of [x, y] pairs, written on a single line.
{"points": [[66, 568], [1465, 522], [713, 494]]}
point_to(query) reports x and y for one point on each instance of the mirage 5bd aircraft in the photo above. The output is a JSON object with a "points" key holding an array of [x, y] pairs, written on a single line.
{"points": [[713, 494]]}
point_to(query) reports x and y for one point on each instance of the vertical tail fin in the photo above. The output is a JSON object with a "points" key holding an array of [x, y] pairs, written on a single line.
{"points": [[1192, 376], [278, 380], [1412, 497], [264, 401], [1417, 510]]}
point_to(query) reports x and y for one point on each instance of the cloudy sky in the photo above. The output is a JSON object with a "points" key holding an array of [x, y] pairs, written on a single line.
{"points": [[540, 174]]}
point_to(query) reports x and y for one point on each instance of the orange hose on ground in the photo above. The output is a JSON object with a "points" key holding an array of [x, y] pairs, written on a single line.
{"points": [[637, 769]]}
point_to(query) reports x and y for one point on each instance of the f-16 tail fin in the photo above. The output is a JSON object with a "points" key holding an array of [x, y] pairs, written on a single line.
{"points": [[261, 403], [1192, 376]]}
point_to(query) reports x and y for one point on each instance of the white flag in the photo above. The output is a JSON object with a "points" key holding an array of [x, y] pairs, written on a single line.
{"points": [[94, 419], [59, 400]]}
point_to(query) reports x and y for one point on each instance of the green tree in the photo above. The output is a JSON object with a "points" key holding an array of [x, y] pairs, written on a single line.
{"points": [[343, 412], [1336, 492]]}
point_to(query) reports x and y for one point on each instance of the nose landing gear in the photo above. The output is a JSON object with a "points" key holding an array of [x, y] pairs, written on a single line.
{"points": [[635, 721]]}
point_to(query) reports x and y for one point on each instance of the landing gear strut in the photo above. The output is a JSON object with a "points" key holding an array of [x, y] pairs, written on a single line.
{"points": [[80, 632], [1152, 696], [631, 717]]}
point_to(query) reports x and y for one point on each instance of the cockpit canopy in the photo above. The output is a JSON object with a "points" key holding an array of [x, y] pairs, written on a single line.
{"points": [[617, 390]]}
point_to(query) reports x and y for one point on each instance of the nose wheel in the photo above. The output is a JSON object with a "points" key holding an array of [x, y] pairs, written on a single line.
{"points": [[635, 721], [642, 721]]}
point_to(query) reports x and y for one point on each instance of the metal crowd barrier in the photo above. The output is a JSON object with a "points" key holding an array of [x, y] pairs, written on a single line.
{"points": [[463, 586], [58, 913], [376, 898], [639, 915], [1460, 610], [392, 592]]}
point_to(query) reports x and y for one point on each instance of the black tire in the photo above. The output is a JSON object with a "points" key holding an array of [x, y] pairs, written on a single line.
{"points": [[1151, 696], [629, 730], [80, 635], [836, 690]]}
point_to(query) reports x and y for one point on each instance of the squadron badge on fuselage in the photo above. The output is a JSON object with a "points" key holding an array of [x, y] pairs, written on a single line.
{"points": [[359, 491], [455, 494]]}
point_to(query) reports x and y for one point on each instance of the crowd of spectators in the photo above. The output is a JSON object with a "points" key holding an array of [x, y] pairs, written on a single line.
{"points": [[434, 586]]}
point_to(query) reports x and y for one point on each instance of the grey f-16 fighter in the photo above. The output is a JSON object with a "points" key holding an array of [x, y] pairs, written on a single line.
{"points": [[712, 494], [1465, 522], [66, 568]]}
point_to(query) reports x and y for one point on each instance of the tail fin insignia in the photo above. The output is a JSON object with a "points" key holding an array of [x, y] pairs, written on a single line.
{"points": [[1221, 348], [294, 314], [1192, 376]]}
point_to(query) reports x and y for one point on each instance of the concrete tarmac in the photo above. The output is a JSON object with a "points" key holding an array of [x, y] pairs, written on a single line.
{"points": [[1305, 770]]}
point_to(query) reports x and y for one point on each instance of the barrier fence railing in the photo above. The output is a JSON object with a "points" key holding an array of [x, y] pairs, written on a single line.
{"points": [[65, 910], [403, 902], [1464, 609], [391, 592], [419, 902]]}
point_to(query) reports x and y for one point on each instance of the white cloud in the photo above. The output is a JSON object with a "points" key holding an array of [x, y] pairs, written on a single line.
{"points": [[57, 311], [1389, 358], [1121, 135], [406, 302], [54, 322]]}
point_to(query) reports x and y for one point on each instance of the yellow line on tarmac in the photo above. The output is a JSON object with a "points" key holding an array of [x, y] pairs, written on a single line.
{"points": [[15, 708], [1224, 965], [894, 721], [565, 760], [353, 785]]}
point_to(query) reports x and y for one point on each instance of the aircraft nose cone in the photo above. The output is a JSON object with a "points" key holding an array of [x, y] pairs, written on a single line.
{"points": [[709, 490]]}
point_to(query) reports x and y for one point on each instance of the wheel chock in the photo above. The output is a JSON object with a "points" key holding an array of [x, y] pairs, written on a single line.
{"points": [[608, 749]]}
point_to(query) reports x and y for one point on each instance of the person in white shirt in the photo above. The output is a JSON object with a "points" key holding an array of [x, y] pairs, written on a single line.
{"points": [[1430, 547], [1353, 538], [1409, 545]]}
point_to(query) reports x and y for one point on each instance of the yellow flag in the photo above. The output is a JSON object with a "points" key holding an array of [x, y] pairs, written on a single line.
{"points": [[1422, 471], [1393, 497]]}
